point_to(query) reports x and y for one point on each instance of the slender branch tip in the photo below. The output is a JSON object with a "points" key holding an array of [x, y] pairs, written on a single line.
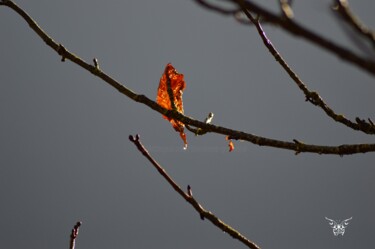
{"points": [[189, 192], [62, 51], [96, 63], [134, 139]]}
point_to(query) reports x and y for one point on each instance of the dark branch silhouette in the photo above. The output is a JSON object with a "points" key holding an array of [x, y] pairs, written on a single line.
{"points": [[344, 149], [204, 214], [248, 8], [311, 96], [291, 26], [342, 7]]}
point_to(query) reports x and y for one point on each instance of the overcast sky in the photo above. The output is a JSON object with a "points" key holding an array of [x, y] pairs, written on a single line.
{"points": [[65, 154]]}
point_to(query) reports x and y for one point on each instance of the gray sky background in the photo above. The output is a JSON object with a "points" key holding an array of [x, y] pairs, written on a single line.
{"points": [[65, 154]]}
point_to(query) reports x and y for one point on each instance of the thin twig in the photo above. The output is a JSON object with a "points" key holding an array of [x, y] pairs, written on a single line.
{"points": [[74, 234], [311, 96], [297, 29], [204, 214], [344, 149], [286, 9], [342, 7]]}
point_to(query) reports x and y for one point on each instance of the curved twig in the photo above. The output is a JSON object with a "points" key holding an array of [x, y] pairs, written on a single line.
{"points": [[311, 96], [344, 149], [204, 214], [297, 29], [342, 7]]}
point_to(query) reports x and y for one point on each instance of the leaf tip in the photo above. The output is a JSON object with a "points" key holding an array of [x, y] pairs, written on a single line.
{"points": [[230, 144]]}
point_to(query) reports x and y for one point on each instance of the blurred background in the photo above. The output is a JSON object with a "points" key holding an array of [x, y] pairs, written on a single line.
{"points": [[65, 154]]}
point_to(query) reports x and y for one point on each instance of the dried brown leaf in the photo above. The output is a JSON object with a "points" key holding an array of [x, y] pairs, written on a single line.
{"points": [[177, 85]]}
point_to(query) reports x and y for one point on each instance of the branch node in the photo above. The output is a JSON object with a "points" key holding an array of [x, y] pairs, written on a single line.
{"points": [[341, 150], [96, 64], [200, 131], [201, 215], [62, 51], [370, 121], [257, 18], [189, 192], [131, 138], [298, 144], [361, 122], [74, 234], [314, 98], [134, 139]]}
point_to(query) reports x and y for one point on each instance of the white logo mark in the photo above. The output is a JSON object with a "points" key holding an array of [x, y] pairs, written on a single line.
{"points": [[338, 226]]}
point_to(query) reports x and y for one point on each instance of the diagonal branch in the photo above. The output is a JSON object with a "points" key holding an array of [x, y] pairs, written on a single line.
{"points": [[204, 214], [297, 29], [342, 7], [311, 96], [345, 149]]}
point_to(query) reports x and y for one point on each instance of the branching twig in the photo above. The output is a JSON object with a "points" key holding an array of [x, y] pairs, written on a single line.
{"points": [[199, 131], [204, 214], [74, 234], [342, 7], [344, 149], [297, 29], [311, 96]]}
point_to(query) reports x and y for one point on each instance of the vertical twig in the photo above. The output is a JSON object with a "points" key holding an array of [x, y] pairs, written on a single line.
{"points": [[74, 234]]}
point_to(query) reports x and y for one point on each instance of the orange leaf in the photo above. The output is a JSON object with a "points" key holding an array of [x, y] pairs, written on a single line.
{"points": [[230, 144], [177, 85]]}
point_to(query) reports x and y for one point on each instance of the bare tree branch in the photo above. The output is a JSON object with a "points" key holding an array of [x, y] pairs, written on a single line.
{"points": [[204, 214], [342, 7], [311, 96], [344, 149], [297, 29]]}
